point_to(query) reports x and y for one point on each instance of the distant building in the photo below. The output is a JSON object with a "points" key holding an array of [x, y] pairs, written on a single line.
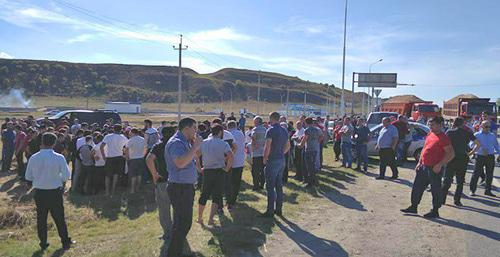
{"points": [[123, 107]]}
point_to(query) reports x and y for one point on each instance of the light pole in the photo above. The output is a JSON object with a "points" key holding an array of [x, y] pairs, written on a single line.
{"points": [[342, 104], [370, 71]]}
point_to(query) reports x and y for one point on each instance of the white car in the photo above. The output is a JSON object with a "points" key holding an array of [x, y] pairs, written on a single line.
{"points": [[375, 118], [418, 135]]}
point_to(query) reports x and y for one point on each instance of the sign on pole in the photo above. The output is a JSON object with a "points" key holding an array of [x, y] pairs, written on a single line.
{"points": [[377, 92], [376, 80]]}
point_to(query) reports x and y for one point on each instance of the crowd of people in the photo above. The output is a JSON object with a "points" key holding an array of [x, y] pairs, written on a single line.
{"points": [[179, 158]]}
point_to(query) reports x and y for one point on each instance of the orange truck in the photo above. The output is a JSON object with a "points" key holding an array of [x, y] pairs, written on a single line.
{"points": [[414, 110], [469, 108]]}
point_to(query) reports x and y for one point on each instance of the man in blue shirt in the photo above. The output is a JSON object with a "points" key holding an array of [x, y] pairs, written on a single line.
{"points": [[180, 155], [277, 144], [485, 158], [241, 122], [386, 143], [8, 138]]}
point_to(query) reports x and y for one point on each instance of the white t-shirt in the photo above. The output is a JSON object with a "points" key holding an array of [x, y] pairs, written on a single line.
{"points": [[227, 136], [239, 154], [114, 143], [81, 141], [97, 151], [136, 146]]}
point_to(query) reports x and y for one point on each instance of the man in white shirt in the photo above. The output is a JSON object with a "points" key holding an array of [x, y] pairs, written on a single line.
{"points": [[299, 152], [75, 181], [135, 150], [238, 163], [115, 162], [48, 172], [100, 162]]}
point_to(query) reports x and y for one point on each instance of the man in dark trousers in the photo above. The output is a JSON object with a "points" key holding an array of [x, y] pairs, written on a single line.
{"points": [[180, 156], [386, 143], [276, 146], [485, 158], [457, 167], [48, 173], [437, 152]]}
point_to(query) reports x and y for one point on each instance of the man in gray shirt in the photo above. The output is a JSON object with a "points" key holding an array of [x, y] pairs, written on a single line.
{"points": [[258, 136], [311, 139], [346, 145], [217, 160]]}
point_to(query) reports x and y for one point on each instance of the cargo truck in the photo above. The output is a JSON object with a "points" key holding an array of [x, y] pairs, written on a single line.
{"points": [[469, 108], [412, 109]]}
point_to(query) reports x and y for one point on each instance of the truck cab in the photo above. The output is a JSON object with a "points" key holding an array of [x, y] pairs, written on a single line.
{"points": [[472, 108], [426, 110]]}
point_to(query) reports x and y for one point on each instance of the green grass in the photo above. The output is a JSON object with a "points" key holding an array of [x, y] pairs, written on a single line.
{"points": [[127, 225]]}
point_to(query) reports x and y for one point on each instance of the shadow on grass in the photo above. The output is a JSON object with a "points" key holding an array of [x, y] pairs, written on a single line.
{"points": [[242, 235], [309, 243], [133, 205]]}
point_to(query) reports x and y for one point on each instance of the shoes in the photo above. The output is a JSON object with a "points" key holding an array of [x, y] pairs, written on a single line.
{"points": [[394, 177], [379, 178], [278, 213], [44, 246], [432, 214], [472, 193], [411, 209], [458, 203], [68, 244], [266, 215], [358, 169], [489, 193]]}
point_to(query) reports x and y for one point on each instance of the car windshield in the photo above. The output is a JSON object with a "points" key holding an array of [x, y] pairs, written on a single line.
{"points": [[428, 108], [58, 115], [376, 118]]}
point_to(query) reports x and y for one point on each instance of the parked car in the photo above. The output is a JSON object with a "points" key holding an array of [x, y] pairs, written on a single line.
{"points": [[96, 116], [250, 115], [418, 135], [52, 112], [375, 118]]}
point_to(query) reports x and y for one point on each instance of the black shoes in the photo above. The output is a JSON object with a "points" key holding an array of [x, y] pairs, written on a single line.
{"points": [[394, 177], [44, 246], [432, 214], [279, 213], [489, 193], [411, 209], [458, 203], [68, 244], [380, 178]]}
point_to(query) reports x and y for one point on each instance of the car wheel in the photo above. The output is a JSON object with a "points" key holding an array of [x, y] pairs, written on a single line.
{"points": [[417, 153]]}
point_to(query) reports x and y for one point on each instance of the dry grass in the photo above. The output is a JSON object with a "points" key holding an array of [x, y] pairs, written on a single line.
{"points": [[127, 225]]}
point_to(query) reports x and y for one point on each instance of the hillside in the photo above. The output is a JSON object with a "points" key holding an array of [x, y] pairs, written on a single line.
{"points": [[122, 82]]}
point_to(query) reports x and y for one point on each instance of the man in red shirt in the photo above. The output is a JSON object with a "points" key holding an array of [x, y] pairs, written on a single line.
{"points": [[437, 152]]}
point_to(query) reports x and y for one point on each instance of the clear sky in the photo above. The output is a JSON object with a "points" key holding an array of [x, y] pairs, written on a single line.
{"points": [[445, 47]]}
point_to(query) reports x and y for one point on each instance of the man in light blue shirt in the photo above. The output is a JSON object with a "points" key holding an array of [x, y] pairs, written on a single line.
{"points": [[485, 157], [180, 154], [386, 143], [258, 136], [48, 172]]}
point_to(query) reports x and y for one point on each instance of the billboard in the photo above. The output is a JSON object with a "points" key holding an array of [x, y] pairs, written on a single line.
{"points": [[376, 79]]}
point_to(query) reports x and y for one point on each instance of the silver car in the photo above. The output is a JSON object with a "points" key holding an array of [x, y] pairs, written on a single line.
{"points": [[418, 135]]}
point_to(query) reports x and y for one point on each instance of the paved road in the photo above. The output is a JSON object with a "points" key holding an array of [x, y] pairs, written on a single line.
{"points": [[482, 218]]}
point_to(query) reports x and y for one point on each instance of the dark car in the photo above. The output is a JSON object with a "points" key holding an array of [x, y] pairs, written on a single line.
{"points": [[97, 116]]}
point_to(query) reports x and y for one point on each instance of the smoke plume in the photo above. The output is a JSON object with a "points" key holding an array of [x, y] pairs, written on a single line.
{"points": [[15, 98]]}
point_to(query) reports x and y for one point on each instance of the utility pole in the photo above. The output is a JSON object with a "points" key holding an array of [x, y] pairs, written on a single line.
{"points": [[179, 92], [305, 101], [342, 104], [287, 101], [258, 93]]}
